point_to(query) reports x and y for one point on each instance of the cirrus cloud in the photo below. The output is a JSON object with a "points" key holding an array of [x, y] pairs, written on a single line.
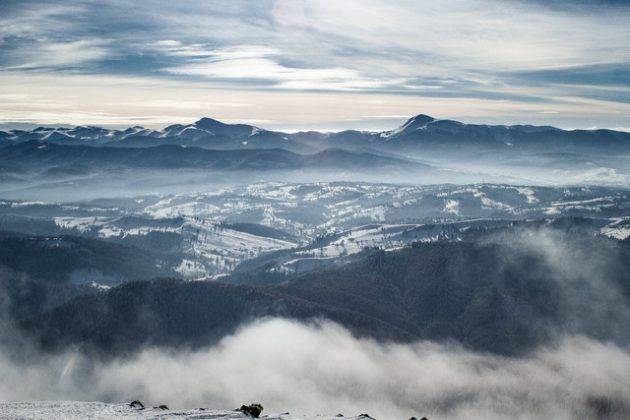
{"points": [[558, 56]]}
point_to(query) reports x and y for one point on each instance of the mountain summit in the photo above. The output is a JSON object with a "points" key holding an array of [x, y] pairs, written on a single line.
{"points": [[416, 122], [222, 129], [421, 134], [210, 124]]}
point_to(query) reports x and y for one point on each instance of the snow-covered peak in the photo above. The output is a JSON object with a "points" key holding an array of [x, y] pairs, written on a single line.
{"points": [[222, 129], [412, 124], [134, 129], [57, 136], [416, 122], [209, 124]]}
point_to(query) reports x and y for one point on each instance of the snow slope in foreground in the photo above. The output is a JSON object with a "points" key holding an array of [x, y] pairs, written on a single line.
{"points": [[98, 410]]}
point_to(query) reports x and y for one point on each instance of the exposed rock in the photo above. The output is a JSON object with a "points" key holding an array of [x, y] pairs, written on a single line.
{"points": [[253, 409], [136, 404]]}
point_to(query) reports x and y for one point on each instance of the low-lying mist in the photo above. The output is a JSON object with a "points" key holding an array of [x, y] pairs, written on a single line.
{"points": [[134, 182], [126, 182], [321, 368], [130, 183]]}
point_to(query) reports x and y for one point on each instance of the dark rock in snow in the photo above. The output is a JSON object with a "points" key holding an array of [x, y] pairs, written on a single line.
{"points": [[253, 409], [136, 404]]}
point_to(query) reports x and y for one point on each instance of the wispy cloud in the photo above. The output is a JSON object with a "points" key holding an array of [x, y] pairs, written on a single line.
{"points": [[47, 55], [511, 51], [265, 72]]}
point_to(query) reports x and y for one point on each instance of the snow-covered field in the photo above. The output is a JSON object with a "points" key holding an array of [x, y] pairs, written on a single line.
{"points": [[221, 249], [75, 410], [618, 228], [312, 209]]}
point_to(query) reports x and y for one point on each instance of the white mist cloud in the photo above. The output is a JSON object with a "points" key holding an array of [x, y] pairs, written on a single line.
{"points": [[321, 368]]}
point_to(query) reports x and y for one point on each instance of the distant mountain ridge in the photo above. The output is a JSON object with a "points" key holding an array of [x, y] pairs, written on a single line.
{"points": [[41, 155], [419, 131], [423, 149]]}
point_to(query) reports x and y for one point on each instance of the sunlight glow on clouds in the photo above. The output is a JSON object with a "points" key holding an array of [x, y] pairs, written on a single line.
{"points": [[55, 54], [281, 76]]}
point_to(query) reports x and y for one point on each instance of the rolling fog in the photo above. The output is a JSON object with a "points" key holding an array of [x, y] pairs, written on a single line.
{"points": [[320, 368], [131, 183], [445, 168]]}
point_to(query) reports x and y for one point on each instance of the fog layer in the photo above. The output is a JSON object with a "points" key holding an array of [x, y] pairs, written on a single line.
{"points": [[320, 368]]}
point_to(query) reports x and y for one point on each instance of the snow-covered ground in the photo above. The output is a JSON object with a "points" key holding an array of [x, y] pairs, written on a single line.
{"points": [[220, 249], [75, 410], [619, 228], [203, 227], [357, 239], [312, 209]]}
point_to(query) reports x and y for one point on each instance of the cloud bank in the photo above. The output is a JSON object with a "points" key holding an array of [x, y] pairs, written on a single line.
{"points": [[321, 368]]}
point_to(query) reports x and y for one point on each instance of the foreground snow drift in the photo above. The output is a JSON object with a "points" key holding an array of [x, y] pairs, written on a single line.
{"points": [[98, 410]]}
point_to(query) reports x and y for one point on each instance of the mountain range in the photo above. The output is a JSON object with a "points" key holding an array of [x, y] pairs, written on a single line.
{"points": [[421, 131], [424, 150], [73, 159]]}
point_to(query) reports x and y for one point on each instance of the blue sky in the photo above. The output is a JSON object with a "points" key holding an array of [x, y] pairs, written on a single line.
{"points": [[322, 64]]}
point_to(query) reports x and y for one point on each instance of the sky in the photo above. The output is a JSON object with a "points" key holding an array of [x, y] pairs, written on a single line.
{"points": [[321, 64]]}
